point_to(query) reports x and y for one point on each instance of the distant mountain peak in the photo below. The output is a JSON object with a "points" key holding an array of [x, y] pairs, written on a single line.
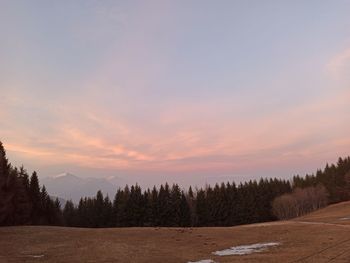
{"points": [[65, 175], [72, 187]]}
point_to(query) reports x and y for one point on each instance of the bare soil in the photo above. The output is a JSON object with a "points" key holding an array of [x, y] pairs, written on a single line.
{"points": [[322, 236]]}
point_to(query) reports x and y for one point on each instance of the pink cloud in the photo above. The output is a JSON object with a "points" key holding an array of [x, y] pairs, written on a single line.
{"points": [[340, 64]]}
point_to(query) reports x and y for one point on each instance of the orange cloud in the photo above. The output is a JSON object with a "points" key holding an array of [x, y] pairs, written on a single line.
{"points": [[28, 150]]}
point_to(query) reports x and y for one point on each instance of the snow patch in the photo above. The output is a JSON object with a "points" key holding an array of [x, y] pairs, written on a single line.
{"points": [[65, 174], [246, 249], [202, 261]]}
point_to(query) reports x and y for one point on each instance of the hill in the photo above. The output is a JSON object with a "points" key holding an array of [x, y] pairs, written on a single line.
{"points": [[322, 236]]}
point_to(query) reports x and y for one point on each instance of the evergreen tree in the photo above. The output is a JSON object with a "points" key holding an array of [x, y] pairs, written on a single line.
{"points": [[21, 201], [120, 215], [57, 213], [107, 212], [175, 212], [154, 203], [164, 206], [44, 206], [69, 214], [35, 197], [185, 213], [202, 208], [134, 207], [98, 214], [148, 208], [192, 206], [6, 189]]}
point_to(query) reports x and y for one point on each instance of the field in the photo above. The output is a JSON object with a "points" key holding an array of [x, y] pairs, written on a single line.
{"points": [[323, 236]]}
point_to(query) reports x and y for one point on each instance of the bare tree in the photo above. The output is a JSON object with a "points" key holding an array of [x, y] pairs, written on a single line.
{"points": [[300, 202]]}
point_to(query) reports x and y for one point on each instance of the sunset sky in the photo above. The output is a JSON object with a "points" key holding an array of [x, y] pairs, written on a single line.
{"points": [[189, 91]]}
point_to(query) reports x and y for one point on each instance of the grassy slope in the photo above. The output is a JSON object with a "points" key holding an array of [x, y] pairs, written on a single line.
{"points": [[305, 237]]}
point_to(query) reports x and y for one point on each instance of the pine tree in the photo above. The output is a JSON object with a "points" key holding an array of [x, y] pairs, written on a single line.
{"points": [[44, 206], [134, 207], [175, 204], [25, 178], [98, 210], [155, 207], [185, 213], [120, 214], [107, 212], [202, 208], [69, 214], [192, 206], [6, 189], [34, 195], [148, 205], [57, 212], [21, 201], [164, 206], [4, 164]]}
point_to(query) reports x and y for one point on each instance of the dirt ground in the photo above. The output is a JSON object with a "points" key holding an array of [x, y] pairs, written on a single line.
{"points": [[323, 236]]}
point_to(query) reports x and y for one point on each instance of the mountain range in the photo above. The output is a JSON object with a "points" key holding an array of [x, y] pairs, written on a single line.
{"points": [[72, 187]]}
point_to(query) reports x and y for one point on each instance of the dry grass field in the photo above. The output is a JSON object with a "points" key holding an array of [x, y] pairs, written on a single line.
{"points": [[323, 236]]}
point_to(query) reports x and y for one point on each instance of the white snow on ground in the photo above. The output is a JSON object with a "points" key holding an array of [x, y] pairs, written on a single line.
{"points": [[203, 261], [245, 250]]}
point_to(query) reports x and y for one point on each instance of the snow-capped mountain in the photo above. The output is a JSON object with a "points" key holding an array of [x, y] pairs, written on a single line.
{"points": [[72, 187]]}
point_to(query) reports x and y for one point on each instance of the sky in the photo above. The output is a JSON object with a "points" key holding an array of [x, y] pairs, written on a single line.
{"points": [[183, 91]]}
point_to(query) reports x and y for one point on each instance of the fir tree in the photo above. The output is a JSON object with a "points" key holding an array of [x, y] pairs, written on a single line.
{"points": [[69, 214], [35, 197]]}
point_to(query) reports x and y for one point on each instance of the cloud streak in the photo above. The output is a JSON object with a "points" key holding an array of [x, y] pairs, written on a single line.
{"points": [[339, 65], [86, 140]]}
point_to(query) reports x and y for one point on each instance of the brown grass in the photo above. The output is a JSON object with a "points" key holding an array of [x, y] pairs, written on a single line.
{"points": [[318, 237]]}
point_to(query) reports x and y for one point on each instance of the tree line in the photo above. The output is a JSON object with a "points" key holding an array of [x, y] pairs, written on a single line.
{"points": [[221, 205], [312, 192], [335, 178], [23, 201]]}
